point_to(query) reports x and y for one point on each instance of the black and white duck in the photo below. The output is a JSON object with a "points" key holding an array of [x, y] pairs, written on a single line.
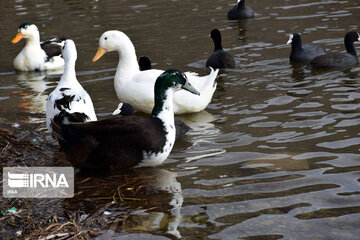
{"points": [[303, 52], [36, 55], [69, 102], [126, 141], [219, 58], [339, 59], [240, 11]]}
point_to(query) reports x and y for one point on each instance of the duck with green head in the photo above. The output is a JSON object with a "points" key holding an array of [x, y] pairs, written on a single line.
{"points": [[127, 141]]}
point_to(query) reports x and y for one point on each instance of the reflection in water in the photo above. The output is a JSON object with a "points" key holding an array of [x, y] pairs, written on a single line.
{"points": [[32, 94], [242, 26], [298, 71], [203, 131], [149, 197], [276, 153]]}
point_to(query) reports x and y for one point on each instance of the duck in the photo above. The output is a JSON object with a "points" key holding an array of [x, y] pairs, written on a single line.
{"points": [[303, 52], [339, 59], [219, 58], [136, 87], [69, 101], [144, 63], [125, 109], [240, 11], [36, 55], [126, 141]]}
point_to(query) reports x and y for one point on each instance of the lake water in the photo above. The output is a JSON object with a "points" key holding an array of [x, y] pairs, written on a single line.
{"points": [[276, 153]]}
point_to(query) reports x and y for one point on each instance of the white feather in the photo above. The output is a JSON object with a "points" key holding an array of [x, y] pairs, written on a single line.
{"points": [[137, 87], [82, 102]]}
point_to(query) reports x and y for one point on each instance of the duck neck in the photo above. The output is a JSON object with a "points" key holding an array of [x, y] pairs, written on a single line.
{"points": [[217, 44], [69, 75], [128, 64], [33, 40], [164, 109], [349, 45], [296, 43]]}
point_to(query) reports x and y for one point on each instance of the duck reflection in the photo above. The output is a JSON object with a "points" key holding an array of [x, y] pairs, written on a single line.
{"points": [[298, 71], [146, 199], [201, 125], [203, 138], [32, 89], [242, 25]]}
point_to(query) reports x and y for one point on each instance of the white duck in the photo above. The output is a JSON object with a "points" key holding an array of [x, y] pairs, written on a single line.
{"points": [[137, 87], [69, 102], [36, 56]]}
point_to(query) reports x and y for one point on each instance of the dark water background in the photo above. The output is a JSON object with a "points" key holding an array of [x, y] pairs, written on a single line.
{"points": [[276, 153]]}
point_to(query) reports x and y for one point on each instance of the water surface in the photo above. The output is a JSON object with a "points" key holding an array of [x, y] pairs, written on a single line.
{"points": [[276, 153]]}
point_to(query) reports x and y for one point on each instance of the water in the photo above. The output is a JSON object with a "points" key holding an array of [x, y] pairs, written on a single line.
{"points": [[276, 153]]}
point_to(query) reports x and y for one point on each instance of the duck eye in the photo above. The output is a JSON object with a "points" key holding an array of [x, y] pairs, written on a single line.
{"points": [[105, 38]]}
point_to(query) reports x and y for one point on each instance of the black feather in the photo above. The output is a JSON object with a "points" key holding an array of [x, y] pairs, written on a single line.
{"points": [[119, 142], [144, 63], [64, 102], [52, 47]]}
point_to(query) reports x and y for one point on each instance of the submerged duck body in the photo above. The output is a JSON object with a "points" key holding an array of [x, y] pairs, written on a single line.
{"points": [[126, 141], [69, 102], [240, 11], [36, 55], [136, 87], [303, 52], [219, 58], [339, 59]]}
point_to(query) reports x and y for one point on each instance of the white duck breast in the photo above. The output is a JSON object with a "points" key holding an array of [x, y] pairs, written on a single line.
{"points": [[36, 56], [69, 102], [136, 87]]}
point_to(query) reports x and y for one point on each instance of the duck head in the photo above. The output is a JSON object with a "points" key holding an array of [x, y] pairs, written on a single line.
{"points": [[69, 51], [27, 31], [113, 40], [352, 37], [166, 84], [294, 39], [216, 37], [241, 3], [349, 40], [174, 79]]}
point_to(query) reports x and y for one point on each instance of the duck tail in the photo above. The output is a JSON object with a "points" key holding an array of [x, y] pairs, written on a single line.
{"points": [[213, 74], [209, 85], [64, 133]]}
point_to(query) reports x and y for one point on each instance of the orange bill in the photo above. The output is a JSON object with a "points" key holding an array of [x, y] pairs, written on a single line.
{"points": [[18, 37], [100, 52]]}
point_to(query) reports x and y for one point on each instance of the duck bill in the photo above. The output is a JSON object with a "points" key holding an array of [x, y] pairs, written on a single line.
{"points": [[17, 38], [187, 86], [100, 52]]}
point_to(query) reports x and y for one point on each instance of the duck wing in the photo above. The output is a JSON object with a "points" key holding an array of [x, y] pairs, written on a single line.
{"points": [[186, 102], [66, 104], [52, 47]]}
